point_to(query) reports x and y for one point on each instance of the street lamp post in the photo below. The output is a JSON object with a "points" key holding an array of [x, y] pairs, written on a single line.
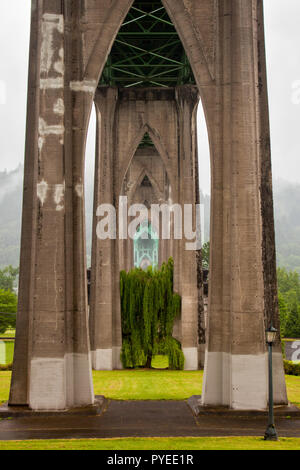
{"points": [[271, 434]]}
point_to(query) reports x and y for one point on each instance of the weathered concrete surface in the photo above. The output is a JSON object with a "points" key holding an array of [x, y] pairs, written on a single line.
{"points": [[195, 403], [7, 411], [52, 363], [70, 42]]}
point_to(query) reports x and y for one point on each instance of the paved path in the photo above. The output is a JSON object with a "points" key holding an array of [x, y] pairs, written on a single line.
{"points": [[141, 419]]}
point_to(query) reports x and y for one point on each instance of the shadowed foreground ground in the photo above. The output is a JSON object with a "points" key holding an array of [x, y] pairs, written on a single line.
{"points": [[139, 423]]}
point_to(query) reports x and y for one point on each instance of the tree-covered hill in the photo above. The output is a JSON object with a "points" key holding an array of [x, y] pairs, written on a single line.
{"points": [[287, 223], [10, 216], [287, 218]]}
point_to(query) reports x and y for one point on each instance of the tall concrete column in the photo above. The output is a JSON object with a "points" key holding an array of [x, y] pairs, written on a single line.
{"points": [[187, 99], [52, 353], [224, 41], [105, 331], [236, 359], [271, 309]]}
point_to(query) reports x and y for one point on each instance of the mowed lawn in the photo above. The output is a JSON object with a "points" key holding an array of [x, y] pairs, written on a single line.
{"points": [[150, 385], [167, 444]]}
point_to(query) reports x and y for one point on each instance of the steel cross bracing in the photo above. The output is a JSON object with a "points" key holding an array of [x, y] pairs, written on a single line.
{"points": [[147, 51]]}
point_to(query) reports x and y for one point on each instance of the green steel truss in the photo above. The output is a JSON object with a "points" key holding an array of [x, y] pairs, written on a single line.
{"points": [[147, 51]]}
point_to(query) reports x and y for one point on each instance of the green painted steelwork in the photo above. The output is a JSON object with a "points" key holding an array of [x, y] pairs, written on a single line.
{"points": [[146, 245], [147, 51], [146, 141]]}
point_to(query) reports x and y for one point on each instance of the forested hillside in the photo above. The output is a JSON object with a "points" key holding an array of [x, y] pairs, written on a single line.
{"points": [[287, 219], [10, 216]]}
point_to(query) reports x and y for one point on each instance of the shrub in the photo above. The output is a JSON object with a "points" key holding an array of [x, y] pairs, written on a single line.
{"points": [[292, 368], [5, 367], [8, 304]]}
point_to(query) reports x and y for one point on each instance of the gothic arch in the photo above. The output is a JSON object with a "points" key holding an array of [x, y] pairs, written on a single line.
{"points": [[153, 182], [160, 147]]}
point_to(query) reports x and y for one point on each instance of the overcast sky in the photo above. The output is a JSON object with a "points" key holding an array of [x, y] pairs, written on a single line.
{"points": [[283, 53]]}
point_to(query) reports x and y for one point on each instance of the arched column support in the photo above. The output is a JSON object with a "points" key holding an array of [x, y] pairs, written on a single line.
{"points": [[70, 42]]}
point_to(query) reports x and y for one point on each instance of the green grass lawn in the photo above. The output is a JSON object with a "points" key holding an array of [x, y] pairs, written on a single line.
{"points": [[293, 389], [135, 385], [150, 385], [9, 352], [147, 384], [188, 443], [4, 386]]}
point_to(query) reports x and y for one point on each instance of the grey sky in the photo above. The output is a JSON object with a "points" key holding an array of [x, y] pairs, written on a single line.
{"points": [[283, 52]]}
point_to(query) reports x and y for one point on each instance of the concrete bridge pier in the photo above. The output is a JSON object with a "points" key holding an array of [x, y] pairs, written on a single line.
{"points": [[70, 43]]}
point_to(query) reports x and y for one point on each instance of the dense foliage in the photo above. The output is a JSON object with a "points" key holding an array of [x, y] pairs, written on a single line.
{"points": [[10, 216], [149, 307], [8, 299], [287, 224], [205, 255], [8, 278], [291, 368], [289, 302], [8, 304]]}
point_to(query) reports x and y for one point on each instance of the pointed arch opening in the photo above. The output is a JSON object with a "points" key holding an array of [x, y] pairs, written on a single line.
{"points": [[146, 182], [149, 53]]}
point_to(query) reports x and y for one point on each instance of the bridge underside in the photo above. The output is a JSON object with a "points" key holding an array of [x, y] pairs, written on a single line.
{"points": [[145, 63]]}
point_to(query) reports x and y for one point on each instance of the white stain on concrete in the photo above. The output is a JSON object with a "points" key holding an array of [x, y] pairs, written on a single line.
{"points": [[237, 381], [107, 359], [59, 65], [51, 83], [47, 384], [80, 390], [61, 383], [87, 86], [79, 190], [46, 130], [102, 359], [59, 107], [41, 143], [50, 23], [59, 193], [42, 190], [190, 358]]}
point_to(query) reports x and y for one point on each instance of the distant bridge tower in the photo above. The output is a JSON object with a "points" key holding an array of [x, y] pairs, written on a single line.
{"points": [[216, 46]]}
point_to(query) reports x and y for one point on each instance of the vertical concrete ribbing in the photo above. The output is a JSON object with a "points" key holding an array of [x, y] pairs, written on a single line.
{"points": [[236, 365], [187, 99], [271, 310], [19, 383], [103, 251], [124, 119], [227, 55]]}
